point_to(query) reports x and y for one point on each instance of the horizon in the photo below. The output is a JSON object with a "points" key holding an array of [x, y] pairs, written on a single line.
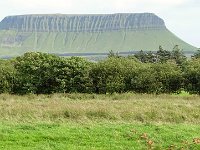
{"points": [[180, 16]]}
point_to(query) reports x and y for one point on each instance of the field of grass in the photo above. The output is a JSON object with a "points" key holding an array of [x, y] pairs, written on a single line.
{"points": [[16, 43], [90, 121]]}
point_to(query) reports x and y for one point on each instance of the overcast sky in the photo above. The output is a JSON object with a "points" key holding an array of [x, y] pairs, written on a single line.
{"points": [[182, 17]]}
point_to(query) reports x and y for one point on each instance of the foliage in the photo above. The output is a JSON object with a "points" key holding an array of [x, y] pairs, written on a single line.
{"points": [[196, 54], [192, 76], [46, 73], [141, 79], [43, 73], [7, 76], [75, 75], [178, 55], [146, 57], [113, 54], [163, 55], [123, 75], [108, 75], [168, 77]]}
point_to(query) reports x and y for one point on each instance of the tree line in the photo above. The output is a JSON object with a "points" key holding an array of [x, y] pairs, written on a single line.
{"points": [[145, 72]]}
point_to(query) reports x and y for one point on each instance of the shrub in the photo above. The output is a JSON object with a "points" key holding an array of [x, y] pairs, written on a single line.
{"points": [[168, 77], [45, 73], [141, 79], [74, 75], [7, 76], [42, 73], [108, 76], [192, 76]]}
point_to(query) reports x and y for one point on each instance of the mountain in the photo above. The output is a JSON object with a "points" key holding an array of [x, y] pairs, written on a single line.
{"points": [[85, 33]]}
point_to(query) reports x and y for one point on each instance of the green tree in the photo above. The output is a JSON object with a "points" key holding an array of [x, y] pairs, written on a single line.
{"points": [[178, 55], [163, 55], [141, 79], [151, 57], [141, 56], [146, 57], [168, 77], [45, 73], [196, 54], [75, 75], [36, 73], [108, 75], [113, 54]]}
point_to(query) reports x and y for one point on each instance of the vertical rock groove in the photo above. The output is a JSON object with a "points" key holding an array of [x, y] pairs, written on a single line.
{"points": [[82, 23]]}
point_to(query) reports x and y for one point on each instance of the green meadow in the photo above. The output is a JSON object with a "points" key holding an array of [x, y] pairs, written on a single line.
{"points": [[90, 121]]}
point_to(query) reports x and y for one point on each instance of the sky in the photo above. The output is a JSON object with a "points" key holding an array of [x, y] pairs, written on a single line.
{"points": [[182, 17]]}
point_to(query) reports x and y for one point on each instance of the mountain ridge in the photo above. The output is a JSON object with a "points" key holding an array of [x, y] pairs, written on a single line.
{"points": [[82, 23]]}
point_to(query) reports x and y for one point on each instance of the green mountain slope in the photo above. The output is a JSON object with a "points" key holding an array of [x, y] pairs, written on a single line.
{"points": [[85, 34]]}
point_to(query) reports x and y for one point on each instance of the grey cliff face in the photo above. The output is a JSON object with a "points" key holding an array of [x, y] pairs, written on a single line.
{"points": [[82, 23]]}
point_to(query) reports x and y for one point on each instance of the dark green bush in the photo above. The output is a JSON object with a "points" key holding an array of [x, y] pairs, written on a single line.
{"points": [[45, 73], [42, 73], [192, 76], [74, 75], [168, 76], [141, 79], [108, 76], [7, 76]]}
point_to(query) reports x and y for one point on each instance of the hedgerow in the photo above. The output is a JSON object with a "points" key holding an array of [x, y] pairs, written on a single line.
{"points": [[42, 73]]}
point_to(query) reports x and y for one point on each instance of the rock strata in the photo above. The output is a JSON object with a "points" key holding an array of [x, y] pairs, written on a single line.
{"points": [[82, 23]]}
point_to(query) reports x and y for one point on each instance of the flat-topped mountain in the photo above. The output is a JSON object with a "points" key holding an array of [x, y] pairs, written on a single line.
{"points": [[82, 23], [92, 33]]}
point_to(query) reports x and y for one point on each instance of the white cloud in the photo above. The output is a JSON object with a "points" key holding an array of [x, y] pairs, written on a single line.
{"points": [[40, 4], [87, 5]]}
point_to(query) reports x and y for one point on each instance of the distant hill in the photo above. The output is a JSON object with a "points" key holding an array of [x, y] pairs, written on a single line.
{"points": [[85, 34]]}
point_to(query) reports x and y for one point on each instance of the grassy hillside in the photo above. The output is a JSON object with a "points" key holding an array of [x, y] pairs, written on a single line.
{"points": [[89, 121], [14, 43]]}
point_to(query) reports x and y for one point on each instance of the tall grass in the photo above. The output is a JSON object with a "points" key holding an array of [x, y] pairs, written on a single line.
{"points": [[126, 107], [90, 121]]}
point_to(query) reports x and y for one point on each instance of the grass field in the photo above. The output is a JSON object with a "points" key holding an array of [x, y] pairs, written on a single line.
{"points": [[15, 43], [89, 121]]}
